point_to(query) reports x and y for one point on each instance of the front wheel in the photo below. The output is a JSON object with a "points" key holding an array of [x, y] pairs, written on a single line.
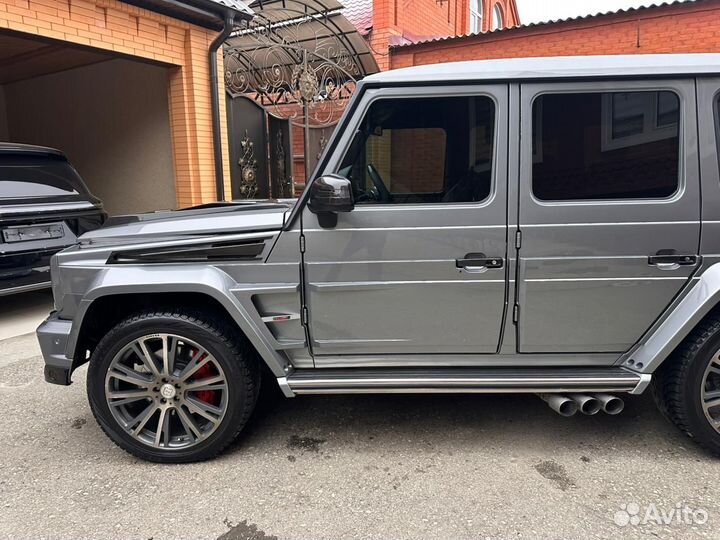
{"points": [[172, 386], [687, 388]]}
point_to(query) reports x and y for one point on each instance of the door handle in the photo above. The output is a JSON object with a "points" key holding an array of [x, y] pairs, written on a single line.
{"points": [[671, 261], [477, 261]]}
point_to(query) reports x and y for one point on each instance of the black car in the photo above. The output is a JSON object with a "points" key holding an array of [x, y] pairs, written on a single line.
{"points": [[44, 207]]}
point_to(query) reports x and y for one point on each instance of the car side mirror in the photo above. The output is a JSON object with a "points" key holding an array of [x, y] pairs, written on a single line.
{"points": [[329, 195]]}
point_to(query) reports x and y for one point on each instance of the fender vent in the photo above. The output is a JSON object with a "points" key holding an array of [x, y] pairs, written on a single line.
{"points": [[211, 252]]}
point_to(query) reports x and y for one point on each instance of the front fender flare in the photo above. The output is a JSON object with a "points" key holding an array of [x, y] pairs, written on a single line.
{"points": [[207, 280]]}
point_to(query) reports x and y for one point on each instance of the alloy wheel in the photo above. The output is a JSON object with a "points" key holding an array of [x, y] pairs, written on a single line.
{"points": [[710, 394], [166, 391]]}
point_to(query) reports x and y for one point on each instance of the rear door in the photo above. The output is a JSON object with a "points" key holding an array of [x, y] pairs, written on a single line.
{"points": [[609, 211]]}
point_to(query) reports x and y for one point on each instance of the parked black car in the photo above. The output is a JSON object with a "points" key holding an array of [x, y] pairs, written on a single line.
{"points": [[44, 207]]}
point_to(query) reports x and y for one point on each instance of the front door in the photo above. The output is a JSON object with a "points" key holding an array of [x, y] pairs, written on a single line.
{"points": [[609, 211], [418, 267]]}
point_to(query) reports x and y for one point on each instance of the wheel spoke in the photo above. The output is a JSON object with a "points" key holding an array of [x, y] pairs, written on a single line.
{"points": [[141, 419], [141, 350], [711, 394], [711, 404], [194, 365], [714, 368], [127, 401], [130, 376], [163, 427], [204, 384], [206, 410], [169, 344], [124, 394], [189, 424], [218, 386]]}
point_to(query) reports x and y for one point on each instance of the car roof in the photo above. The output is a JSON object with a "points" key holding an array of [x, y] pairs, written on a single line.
{"points": [[18, 148], [558, 67]]}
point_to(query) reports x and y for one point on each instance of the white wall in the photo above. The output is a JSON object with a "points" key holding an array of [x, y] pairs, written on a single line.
{"points": [[112, 120], [550, 10]]}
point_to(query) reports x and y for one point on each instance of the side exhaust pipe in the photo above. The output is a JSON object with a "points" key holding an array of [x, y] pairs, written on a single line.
{"points": [[562, 405], [587, 404], [610, 404]]}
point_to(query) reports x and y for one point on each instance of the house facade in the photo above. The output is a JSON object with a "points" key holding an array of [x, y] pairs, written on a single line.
{"points": [[130, 91], [391, 23], [670, 27], [123, 88]]}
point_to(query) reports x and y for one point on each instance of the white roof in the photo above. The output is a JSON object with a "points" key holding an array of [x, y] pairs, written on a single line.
{"points": [[555, 67]]}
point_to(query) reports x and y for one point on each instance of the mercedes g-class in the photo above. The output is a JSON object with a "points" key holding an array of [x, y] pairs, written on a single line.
{"points": [[548, 226]]}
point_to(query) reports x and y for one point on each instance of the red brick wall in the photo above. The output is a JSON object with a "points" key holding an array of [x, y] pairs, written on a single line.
{"points": [[420, 20], [684, 28], [428, 17]]}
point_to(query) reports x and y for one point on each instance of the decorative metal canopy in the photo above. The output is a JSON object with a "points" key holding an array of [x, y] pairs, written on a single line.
{"points": [[297, 52]]}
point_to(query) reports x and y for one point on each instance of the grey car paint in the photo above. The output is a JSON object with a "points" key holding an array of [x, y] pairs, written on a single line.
{"points": [[83, 274], [588, 260], [344, 275], [403, 258]]}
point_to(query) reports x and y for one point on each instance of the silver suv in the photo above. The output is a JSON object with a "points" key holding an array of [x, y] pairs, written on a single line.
{"points": [[549, 226]]}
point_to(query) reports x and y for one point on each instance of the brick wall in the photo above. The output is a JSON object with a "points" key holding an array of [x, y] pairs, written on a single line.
{"points": [[135, 33], [683, 28], [395, 20]]}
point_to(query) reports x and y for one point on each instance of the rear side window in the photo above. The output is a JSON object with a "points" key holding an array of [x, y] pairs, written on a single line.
{"points": [[27, 179], [606, 146]]}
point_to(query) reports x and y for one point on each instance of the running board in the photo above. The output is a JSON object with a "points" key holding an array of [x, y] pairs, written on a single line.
{"points": [[463, 380]]}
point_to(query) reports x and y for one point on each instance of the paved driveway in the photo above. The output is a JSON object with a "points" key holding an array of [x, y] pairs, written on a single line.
{"points": [[23, 313], [352, 467]]}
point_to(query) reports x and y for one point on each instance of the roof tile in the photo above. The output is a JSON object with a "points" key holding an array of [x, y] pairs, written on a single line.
{"points": [[360, 14]]}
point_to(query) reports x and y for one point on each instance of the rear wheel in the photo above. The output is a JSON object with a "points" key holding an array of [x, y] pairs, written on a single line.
{"points": [[688, 386], [172, 386]]}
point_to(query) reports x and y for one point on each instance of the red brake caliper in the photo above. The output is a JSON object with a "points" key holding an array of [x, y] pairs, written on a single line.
{"points": [[208, 396]]}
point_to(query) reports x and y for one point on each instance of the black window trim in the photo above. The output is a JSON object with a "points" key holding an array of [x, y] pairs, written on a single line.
{"points": [[360, 114], [613, 86]]}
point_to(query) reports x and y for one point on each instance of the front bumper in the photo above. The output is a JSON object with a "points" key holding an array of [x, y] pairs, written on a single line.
{"points": [[53, 335]]}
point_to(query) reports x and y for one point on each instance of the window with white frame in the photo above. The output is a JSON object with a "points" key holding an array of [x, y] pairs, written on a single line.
{"points": [[476, 16], [633, 118], [498, 19]]}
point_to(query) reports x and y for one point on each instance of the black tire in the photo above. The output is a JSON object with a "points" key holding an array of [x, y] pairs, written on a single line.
{"points": [[677, 387], [231, 350]]}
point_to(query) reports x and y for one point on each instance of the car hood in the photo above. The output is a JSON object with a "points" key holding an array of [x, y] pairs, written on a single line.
{"points": [[198, 221]]}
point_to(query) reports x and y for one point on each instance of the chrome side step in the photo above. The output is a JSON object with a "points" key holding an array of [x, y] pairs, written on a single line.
{"points": [[464, 380]]}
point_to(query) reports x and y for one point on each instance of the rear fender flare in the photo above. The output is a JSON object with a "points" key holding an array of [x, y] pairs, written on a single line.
{"points": [[662, 340]]}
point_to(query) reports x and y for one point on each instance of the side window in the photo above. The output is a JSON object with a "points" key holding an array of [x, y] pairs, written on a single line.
{"points": [[606, 146], [425, 150]]}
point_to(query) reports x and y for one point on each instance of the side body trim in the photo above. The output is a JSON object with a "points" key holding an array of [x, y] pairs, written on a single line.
{"points": [[342, 381]]}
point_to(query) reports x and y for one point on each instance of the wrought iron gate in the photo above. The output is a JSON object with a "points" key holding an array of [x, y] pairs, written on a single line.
{"points": [[289, 74]]}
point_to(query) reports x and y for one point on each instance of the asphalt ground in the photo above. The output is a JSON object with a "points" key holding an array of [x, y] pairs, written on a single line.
{"points": [[354, 467]]}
